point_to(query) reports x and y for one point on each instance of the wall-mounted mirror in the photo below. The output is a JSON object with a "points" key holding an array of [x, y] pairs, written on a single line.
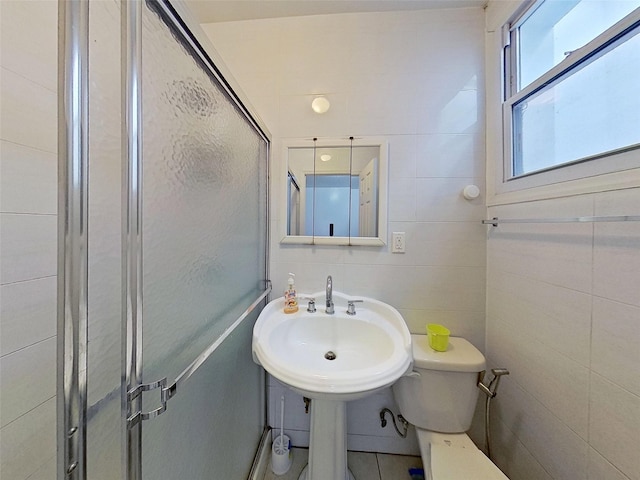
{"points": [[336, 191]]}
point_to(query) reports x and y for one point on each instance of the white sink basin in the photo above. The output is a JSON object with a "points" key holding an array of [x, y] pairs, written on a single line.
{"points": [[335, 356], [332, 359]]}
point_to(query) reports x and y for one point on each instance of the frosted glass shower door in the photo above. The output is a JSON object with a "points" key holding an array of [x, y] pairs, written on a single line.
{"points": [[163, 253], [204, 231]]}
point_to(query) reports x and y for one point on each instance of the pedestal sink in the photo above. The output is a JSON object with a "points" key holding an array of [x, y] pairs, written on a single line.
{"points": [[332, 359]]}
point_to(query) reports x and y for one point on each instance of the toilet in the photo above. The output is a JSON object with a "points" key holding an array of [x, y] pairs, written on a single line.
{"points": [[439, 398]]}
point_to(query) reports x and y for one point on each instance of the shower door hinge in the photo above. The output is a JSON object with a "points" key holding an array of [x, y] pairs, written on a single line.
{"points": [[165, 395]]}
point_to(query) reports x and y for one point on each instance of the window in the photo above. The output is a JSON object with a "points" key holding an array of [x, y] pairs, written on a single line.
{"points": [[572, 84]]}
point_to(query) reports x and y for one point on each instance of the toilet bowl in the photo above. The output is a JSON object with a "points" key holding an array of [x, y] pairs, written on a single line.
{"points": [[439, 397]]}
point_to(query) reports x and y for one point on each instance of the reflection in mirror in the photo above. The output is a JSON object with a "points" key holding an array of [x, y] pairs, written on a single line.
{"points": [[293, 205], [336, 192], [335, 197]]}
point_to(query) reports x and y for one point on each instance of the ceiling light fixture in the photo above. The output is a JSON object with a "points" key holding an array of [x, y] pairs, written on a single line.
{"points": [[325, 157], [320, 104]]}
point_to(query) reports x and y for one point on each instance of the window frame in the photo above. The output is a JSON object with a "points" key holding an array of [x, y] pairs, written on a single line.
{"points": [[616, 160]]}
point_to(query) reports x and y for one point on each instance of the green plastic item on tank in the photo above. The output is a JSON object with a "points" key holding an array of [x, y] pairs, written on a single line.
{"points": [[438, 337]]}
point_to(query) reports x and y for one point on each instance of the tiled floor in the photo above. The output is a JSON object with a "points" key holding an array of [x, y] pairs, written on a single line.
{"points": [[364, 466]]}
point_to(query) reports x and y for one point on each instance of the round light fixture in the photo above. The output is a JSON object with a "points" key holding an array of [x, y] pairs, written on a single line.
{"points": [[320, 104], [325, 157]]}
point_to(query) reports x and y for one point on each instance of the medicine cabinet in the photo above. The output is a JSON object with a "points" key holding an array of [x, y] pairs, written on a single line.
{"points": [[336, 191]]}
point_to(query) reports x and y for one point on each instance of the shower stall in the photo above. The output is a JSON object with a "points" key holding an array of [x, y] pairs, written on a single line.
{"points": [[163, 242]]}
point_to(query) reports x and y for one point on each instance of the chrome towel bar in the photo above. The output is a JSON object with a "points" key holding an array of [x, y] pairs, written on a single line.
{"points": [[212, 348], [166, 393], [495, 221]]}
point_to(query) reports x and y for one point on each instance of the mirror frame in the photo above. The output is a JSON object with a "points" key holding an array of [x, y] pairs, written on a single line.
{"points": [[383, 191]]}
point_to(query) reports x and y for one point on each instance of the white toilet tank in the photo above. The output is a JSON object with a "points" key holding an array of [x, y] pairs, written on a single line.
{"points": [[442, 396]]}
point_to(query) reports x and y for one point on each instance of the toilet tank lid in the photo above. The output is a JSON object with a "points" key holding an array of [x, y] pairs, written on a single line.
{"points": [[461, 355]]}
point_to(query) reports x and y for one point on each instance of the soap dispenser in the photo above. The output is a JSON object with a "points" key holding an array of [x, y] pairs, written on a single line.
{"points": [[290, 297]]}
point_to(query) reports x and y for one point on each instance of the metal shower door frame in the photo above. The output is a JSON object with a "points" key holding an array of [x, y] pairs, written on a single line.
{"points": [[73, 125], [73, 141], [132, 232], [131, 28]]}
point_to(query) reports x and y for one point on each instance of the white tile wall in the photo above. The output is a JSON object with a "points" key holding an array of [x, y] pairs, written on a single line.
{"points": [[614, 343], [616, 262], [614, 428], [28, 179], [441, 200], [27, 313], [28, 379], [450, 155], [33, 124], [28, 248], [29, 40], [415, 78], [562, 453], [29, 443], [511, 455], [28, 225], [600, 468], [563, 315]]}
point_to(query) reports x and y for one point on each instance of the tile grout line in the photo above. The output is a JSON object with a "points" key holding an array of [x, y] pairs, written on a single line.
{"points": [[31, 214], [28, 412], [28, 346], [16, 282], [378, 466]]}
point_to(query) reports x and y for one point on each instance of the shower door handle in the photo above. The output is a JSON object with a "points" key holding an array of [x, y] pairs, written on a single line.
{"points": [[167, 393], [139, 416]]}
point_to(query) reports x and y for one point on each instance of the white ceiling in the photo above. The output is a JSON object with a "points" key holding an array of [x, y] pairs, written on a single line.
{"points": [[210, 11]]}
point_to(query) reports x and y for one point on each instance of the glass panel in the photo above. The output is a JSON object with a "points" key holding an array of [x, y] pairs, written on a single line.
{"points": [[336, 201], [591, 111], [211, 428], [204, 234], [561, 26], [300, 203], [104, 415], [293, 206]]}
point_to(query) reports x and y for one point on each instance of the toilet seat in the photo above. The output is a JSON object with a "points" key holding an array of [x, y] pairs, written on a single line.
{"points": [[455, 457]]}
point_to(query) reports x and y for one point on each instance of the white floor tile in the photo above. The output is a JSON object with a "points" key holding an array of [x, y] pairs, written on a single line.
{"points": [[396, 467], [299, 461], [363, 465]]}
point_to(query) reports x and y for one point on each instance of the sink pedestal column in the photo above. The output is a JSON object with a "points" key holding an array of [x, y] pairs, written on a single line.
{"points": [[327, 442]]}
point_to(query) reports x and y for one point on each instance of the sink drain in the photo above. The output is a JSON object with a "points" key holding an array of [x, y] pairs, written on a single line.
{"points": [[330, 355]]}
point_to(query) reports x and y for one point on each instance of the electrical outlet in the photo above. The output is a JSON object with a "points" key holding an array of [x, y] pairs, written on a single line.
{"points": [[397, 242]]}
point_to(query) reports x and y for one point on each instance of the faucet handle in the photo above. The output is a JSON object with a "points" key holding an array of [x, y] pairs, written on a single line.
{"points": [[311, 307], [351, 306]]}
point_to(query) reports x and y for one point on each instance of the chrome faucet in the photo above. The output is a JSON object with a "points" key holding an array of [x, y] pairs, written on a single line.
{"points": [[330, 310]]}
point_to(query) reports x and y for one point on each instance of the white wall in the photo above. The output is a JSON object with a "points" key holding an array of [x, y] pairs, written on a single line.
{"points": [[563, 314], [28, 226], [415, 78]]}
